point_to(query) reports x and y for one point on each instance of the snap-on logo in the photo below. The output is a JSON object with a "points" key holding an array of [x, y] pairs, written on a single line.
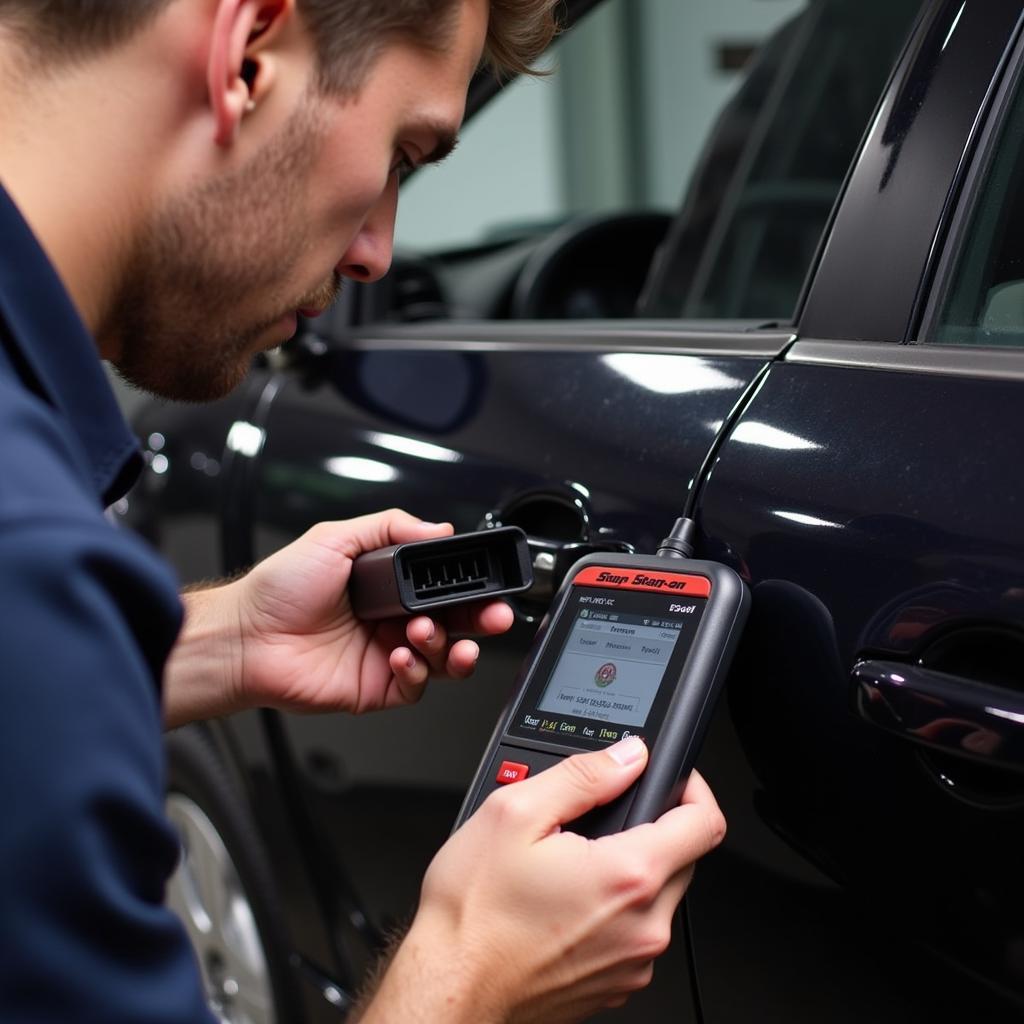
{"points": [[640, 580], [647, 579], [659, 582], [610, 577]]}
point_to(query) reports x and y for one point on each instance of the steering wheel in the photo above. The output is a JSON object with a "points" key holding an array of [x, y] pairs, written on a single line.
{"points": [[591, 268]]}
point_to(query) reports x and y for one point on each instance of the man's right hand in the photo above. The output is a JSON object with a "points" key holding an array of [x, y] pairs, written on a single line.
{"points": [[520, 921]]}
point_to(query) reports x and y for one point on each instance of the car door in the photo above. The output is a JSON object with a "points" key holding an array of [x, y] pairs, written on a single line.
{"points": [[590, 433], [871, 494]]}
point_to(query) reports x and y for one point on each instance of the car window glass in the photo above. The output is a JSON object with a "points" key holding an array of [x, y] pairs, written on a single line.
{"points": [[752, 219], [681, 160], [985, 301], [563, 144]]}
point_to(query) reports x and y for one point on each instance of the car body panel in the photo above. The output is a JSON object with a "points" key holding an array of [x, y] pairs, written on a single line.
{"points": [[907, 171], [838, 499]]}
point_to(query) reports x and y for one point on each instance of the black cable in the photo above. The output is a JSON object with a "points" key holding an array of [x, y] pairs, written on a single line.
{"points": [[691, 963], [679, 542], [727, 424]]}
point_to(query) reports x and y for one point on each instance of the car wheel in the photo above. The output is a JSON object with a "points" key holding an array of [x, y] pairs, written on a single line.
{"points": [[223, 890]]}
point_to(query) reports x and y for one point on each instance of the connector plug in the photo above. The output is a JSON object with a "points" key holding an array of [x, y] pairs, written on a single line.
{"points": [[679, 542], [406, 579]]}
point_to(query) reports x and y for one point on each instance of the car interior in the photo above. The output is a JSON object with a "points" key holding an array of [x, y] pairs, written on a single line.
{"points": [[741, 241]]}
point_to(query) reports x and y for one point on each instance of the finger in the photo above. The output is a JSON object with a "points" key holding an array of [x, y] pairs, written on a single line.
{"points": [[675, 889], [680, 836], [481, 618], [573, 786], [697, 791], [352, 537], [430, 639], [462, 659], [403, 528], [613, 986], [411, 674]]}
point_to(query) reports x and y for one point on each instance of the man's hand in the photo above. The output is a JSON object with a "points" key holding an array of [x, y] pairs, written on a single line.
{"points": [[285, 636], [520, 921]]}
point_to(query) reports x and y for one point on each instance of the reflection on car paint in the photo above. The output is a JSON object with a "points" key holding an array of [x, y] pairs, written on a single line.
{"points": [[767, 436], [670, 375]]}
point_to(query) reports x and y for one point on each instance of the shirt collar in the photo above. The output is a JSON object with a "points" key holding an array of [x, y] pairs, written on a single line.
{"points": [[45, 328]]}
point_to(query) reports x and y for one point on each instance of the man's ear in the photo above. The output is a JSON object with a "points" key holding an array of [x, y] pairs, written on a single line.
{"points": [[240, 68]]}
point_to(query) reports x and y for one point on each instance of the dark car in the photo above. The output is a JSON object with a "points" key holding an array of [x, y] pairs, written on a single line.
{"points": [[822, 349]]}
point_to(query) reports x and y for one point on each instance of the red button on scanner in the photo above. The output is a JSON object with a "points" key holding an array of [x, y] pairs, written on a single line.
{"points": [[512, 771]]}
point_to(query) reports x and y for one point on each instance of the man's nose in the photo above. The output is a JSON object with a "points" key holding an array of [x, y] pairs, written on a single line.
{"points": [[368, 258]]}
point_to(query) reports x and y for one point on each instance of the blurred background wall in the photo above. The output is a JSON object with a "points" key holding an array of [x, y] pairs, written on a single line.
{"points": [[618, 125]]}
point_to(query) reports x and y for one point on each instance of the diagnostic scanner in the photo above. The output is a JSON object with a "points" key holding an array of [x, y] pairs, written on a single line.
{"points": [[634, 645]]}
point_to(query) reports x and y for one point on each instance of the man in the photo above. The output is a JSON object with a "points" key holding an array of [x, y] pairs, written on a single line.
{"points": [[180, 178]]}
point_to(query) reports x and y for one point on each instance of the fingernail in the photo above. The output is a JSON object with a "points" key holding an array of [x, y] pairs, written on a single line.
{"points": [[476, 653], [430, 635], [411, 661], [627, 751]]}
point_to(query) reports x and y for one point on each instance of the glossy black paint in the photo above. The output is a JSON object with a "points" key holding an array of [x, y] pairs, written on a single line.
{"points": [[583, 412], [178, 502], [869, 522], [906, 173]]}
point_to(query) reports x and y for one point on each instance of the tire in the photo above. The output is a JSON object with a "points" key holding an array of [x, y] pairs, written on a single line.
{"points": [[223, 889]]}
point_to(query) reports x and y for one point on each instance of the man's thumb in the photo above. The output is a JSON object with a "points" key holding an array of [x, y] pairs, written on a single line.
{"points": [[579, 783]]}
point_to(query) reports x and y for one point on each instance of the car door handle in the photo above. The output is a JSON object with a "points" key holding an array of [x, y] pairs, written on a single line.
{"points": [[958, 716]]}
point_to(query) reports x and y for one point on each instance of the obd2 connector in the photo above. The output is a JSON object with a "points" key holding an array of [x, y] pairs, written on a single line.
{"points": [[408, 579]]}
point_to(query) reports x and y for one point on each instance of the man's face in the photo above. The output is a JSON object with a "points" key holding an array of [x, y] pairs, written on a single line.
{"points": [[225, 265]]}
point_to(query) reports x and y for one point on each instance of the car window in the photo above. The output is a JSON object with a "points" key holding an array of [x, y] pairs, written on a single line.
{"points": [[681, 160], [985, 300], [753, 218]]}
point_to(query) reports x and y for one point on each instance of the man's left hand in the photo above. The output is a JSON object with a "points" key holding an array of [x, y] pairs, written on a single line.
{"points": [[285, 635]]}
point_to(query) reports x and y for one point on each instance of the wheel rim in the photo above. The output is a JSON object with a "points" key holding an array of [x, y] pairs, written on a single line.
{"points": [[206, 893]]}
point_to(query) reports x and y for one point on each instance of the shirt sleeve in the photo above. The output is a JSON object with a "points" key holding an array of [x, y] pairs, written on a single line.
{"points": [[87, 616]]}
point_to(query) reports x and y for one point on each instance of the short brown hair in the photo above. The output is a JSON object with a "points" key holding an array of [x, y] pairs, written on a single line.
{"points": [[72, 29], [349, 33]]}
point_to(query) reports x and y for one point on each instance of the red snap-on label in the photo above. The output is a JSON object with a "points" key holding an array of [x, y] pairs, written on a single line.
{"points": [[512, 771], [681, 584]]}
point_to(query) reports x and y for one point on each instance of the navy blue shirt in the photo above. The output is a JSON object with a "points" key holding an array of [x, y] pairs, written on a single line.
{"points": [[88, 615]]}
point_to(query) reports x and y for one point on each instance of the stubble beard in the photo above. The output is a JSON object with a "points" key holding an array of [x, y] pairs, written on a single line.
{"points": [[203, 288]]}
